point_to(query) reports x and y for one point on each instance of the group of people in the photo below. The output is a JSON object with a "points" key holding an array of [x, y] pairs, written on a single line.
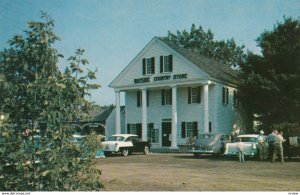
{"points": [[269, 147], [275, 148]]}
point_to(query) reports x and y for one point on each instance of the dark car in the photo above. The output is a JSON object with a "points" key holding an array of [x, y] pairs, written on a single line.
{"points": [[210, 143], [126, 144], [292, 144]]}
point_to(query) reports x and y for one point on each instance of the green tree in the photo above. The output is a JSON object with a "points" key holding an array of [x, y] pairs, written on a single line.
{"points": [[270, 81], [36, 95], [197, 40]]}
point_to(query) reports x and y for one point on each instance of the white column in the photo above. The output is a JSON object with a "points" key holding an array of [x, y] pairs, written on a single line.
{"points": [[174, 117], [205, 106], [144, 115], [118, 113]]}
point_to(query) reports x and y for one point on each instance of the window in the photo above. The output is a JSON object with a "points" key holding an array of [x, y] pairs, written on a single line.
{"points": [[166, 96], [148, 66], [135, 129], [225, 95], [166, 64], [189, 129], [139, 101], [153, 134], [194, 95], [235, 98]]}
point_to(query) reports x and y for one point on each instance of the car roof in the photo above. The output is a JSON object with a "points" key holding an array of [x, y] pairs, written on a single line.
{"points": [[249, 135], [123, 135]]}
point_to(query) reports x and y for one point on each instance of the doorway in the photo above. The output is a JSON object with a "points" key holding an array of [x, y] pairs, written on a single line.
{"points": [[166, 133]]}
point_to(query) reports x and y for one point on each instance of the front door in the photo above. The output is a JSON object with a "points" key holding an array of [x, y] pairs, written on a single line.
{"points": [[166, 133]]}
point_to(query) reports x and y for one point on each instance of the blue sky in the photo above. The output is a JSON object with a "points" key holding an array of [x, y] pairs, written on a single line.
{"points": [[113, 32]]}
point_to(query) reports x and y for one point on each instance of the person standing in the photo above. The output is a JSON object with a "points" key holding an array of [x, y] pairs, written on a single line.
{"points": [[262, 145], [240, 147], [278, 149], [271, 140]]}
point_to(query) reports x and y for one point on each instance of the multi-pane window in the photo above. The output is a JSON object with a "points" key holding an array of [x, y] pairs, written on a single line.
{"points": [[235, 98], [153, 134], [225, 94], [166, 97], [194, 95], [148, 66], [133, 129], [189, 129], [166, 64]]}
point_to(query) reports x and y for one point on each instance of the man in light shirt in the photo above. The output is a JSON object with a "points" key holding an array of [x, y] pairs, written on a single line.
{"points": [[278, 149]]}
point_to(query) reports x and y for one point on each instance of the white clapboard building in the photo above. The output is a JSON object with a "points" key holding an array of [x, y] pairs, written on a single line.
{"points": [[172, 94]]}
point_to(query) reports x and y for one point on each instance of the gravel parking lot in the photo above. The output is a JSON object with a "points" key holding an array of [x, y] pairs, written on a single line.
{"points": [[182, 172]]}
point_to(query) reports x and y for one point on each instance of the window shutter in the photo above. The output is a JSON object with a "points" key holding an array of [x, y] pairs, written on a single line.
{"points": [[163, 97], [128, 128], [139, 130], [161, 64], [147, 92], [171, 62], [153, 65], [199, 95], [138, 99], [223, 95], [171, 94], [227, 94], [183, 131], [144, 66], [195, 128], [189, 95]]}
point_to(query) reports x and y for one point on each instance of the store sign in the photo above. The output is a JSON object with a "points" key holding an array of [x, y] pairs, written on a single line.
{"points": [[161, 78], [142, 80]]}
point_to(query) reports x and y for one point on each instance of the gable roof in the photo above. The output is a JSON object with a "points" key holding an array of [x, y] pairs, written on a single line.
{"points": [[214, 68], [104, 114]]}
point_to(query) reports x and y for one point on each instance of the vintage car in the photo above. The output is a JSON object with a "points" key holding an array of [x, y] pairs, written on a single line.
{"points": [[250, 142], [292, 144], [210, 143], [126, 144]]}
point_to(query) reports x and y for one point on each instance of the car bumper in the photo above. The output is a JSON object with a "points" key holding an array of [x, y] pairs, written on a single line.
{"points": [[201, 151], [236, 153]]}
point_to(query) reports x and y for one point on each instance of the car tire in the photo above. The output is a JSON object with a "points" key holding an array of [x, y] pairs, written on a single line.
{"points": [[196, 155], [125, 152], [146, 150], [107, 153]]}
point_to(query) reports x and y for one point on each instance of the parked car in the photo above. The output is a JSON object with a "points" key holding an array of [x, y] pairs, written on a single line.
{"points": [[210, 143], [126, 144], [292, 144], [250, 145]]}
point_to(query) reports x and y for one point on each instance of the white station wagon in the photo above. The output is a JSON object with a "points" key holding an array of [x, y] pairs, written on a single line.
{"points": [[126, 144]]}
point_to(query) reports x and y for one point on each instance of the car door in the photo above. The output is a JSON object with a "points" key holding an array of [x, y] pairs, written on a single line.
{"points": [[137, 144]]}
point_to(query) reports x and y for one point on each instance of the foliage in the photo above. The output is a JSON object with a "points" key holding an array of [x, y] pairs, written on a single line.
{"points": [[270, 82], [202, 42], [36, 95]]}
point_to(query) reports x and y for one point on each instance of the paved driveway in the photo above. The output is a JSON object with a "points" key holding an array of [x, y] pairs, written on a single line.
{"points": [[182, 172]]}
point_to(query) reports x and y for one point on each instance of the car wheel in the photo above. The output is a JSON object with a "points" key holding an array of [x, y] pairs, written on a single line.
{"points": [[107, 153], [196, 155], [146, 150], [125, 152]]}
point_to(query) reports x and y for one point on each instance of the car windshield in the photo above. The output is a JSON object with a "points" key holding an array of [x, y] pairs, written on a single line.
{"points": [[206, 136], [116, 138], [246, 139]]}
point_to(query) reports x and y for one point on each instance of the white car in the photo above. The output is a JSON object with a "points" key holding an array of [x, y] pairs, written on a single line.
{"points": [[249, 143], [126, 144]]}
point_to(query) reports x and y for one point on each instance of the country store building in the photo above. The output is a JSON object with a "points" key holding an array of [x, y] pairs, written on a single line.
{"points": [[172, 94]]}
